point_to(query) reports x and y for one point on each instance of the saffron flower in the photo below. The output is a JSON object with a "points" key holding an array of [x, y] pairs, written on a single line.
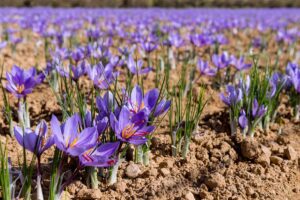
{"points": [[69, 139], [22, 82], [136, 67], [102, 156], [243, 121], [204, 68], [239, 63], [221, 61], [101, 76], [148, 103], [130, 127], [258, 111], [34, 141], [234, 95]]}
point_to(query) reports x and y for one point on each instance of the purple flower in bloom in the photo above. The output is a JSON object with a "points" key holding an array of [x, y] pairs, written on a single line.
{"points": [[149, 46], [205, 69], [34, 141], [136, 67], [175, 40], [221, 61], [68, 138], [106, 105], [295, 78], [243, 121], [258, 111], [101, 77], [102, 156], [21, 82], [77, 55], [239, 63], [148, 103], [234, 95], [131, 127]]}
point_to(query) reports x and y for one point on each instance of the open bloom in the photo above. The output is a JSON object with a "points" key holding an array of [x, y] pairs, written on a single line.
{"points": [[69, 139], [102, 156], [221, 61], [239, 63], [21, 82], [131, 127], [205, 69], [234, 95], [136, 67], [34, 141], [148, 103], [101, 76], [106, 105]]}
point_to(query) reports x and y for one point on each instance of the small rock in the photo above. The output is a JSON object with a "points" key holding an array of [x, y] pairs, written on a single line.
{"points": [[282, 140], [233, 155], [225, 147], [250, 148], [290, 153], [121, 186], [205, 195], [153, 172], [216, 153], [264, 160], [165, 171], [89, 194], [132, 170], [215, 180], [276, 160], [189, 196], [249, 191]]}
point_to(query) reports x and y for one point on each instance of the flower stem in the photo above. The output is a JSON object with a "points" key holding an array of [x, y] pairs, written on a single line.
{"points": [[93, 177], [186, 146], [114, 172]]}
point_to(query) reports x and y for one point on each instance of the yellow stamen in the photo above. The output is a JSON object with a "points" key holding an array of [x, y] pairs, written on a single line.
{"points": [[128, 131], [20, 88]]}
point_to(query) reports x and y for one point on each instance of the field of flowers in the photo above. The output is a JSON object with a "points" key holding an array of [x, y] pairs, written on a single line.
{"points": [[149, 103]]}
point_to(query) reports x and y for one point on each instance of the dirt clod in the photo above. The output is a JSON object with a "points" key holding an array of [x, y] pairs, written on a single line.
{"points": [[290, 153], [250, 148], [215, 180], [132, 170]]}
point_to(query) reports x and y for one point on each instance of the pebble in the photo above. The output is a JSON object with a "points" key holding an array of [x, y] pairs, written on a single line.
{"points": [[132, 170], [165, 172], [189, 196], [215, 180], [290, 153], [89, 194], [250, 148], [276, 160]]}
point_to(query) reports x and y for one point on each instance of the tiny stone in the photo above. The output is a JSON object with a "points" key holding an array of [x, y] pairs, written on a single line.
{"points": [[132, 170], [89, 194], [165, 171], [276, 160], [225, 147], [250, 148], [189, 196], [215, 180], [290, 153]]}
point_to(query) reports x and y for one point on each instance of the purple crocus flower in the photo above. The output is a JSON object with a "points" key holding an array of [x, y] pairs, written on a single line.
{"points": [[68, 139], [234, 95], [148, 103], [295, 79], [243, 121], [21, 82], [205, 69], [77, 55], [103, 156], [136, 67], [131, 127], [101, 77], [221, 61], [258, 111], [239, 63], [148, 47], [106, 105], [34, 141]]}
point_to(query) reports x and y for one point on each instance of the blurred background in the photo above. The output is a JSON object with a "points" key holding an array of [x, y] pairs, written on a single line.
{"points": [[152, 3]]}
